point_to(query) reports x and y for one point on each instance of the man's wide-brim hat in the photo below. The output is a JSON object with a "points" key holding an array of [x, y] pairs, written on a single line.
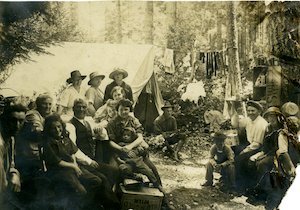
{"points": [[289, 109], [255, 104], [94, 75], [167, 105], [272, 110], [117, 71], [75, 75]]}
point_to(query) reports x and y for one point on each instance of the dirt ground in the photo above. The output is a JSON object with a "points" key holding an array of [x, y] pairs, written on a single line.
{"points": [[182, 181]]}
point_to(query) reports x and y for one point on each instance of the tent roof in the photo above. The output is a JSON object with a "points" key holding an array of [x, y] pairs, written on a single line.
{"points": [[47, 72]]}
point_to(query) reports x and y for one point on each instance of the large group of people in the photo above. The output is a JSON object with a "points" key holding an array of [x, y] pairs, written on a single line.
{"points": [[74, 155], [78, 161], [263, 162]]}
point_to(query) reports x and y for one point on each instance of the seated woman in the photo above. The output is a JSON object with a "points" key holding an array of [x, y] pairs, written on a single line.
{"points": [[103, 116], [115, 132], [108, 111], [60, 161]]}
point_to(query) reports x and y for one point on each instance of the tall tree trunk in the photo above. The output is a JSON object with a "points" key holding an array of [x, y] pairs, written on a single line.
{"points": [[119, 22], [233, 83], [234, 72], [219, 33], [149, 22]]}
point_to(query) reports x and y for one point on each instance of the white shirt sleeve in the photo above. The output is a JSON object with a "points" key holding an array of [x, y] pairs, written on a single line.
{"points": [[64, 98], [80, 156], [283, 144]]}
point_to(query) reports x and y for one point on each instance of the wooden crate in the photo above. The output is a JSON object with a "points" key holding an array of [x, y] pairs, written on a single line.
{"points": [[142, 198]]}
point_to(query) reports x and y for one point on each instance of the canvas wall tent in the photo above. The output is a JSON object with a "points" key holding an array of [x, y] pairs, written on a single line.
{"points": [[48, 72]]}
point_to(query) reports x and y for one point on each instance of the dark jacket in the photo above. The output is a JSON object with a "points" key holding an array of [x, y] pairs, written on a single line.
{"points": [[126, 87], [84, 138]]}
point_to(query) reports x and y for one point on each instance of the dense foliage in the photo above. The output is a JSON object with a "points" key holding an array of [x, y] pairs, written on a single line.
{"points": [[30, 27]]}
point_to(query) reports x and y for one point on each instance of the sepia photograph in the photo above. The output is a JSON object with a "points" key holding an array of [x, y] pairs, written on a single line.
{"points": [[149, 105]]}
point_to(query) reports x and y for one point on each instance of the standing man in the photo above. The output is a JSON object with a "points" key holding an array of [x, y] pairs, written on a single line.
{"points": [[94, 95], [166, 125], [11, 122], [66, 100], [118, 75]]}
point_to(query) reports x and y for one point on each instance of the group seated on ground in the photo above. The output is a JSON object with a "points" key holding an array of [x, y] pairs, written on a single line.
{"points": [[50, 161], [262, 165]]}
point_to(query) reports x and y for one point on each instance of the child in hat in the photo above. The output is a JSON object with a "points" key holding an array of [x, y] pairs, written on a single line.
{"points": [[221, 158]]}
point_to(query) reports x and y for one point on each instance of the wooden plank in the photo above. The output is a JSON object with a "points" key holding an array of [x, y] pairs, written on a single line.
{"points": [[273, 91]]}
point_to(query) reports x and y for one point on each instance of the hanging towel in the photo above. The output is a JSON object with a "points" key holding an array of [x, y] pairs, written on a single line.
{"points": [[169, 61]]}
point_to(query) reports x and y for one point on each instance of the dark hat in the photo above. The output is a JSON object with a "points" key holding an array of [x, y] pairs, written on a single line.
{"points": [[118, 71], [95, 75], [75, 75], [289, 109], [255, 104], [272, 109], [219, 136], [167, 105]]}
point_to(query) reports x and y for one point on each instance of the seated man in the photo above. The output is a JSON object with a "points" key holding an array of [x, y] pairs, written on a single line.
{"points": [[83, 133], [221, 157], [255, 126], [11, 121], [167, 126], [28, 150]]}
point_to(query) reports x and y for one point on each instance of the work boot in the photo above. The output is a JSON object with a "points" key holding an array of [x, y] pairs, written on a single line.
{"points": [[207, 184], [166, 204]]}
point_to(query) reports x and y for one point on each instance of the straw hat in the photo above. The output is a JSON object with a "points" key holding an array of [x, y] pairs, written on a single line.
{"points": [[118, 71], [289, 109], [94, 75], [272, 109]]}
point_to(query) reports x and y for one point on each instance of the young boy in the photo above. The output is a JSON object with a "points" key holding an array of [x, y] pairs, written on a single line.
{"points": [[131, 162], [221, 157]]}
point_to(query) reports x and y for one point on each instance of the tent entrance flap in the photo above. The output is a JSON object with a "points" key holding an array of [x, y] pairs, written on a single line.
{"points": [[145, 110]]}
